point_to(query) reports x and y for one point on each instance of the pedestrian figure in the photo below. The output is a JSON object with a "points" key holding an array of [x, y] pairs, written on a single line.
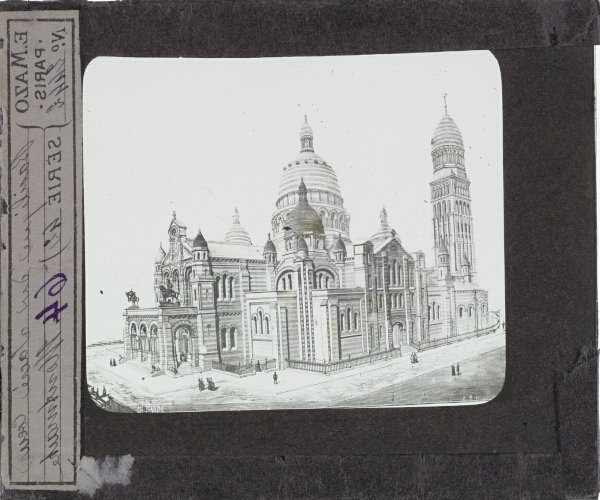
{"points": [[211, 385], [201, 384], [453, 371], [274, 377], [258, 366], [457, 369], [114, 362]]}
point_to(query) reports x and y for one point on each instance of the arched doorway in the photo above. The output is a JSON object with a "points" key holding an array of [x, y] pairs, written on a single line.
{"points": [[396, 336], [154, 343], [183, 345], [402, 333], [134, 340], [143, 342]]}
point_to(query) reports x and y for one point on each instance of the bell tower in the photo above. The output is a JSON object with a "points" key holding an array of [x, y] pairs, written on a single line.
{"points": [[452, 218]]}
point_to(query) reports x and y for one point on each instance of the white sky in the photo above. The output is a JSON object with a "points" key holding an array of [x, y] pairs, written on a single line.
{"points": [[202, 136]]}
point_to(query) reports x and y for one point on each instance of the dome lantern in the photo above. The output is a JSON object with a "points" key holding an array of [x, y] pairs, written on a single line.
{"points": [[306, 138]]}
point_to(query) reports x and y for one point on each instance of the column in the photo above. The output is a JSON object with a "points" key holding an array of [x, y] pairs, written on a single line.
{"points": [[385, 310]]}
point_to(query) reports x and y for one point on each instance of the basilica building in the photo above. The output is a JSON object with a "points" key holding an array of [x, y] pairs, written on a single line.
{"points": [[309, 293]]}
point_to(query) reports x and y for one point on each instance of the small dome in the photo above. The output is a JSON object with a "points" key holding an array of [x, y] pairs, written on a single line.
{"points": [[301, 246], [340, 246], [446, 134], [200, 242], [304, 218], [442, 249], [269, 246], [237, 234], [160, 255], [385, 230]]}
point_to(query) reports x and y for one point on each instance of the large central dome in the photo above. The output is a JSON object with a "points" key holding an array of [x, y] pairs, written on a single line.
{"points": [[322, 192], [317, 174]]}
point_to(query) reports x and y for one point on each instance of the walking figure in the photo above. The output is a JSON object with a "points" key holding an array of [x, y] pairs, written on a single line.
{"points": [[453, 370], [201, 384], [258, 366], [211, 385], [274, 377], [457, 369]]}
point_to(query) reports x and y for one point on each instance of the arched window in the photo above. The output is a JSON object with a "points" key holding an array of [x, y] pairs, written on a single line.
{"points": [[289, 276], [380, 301], [434, 311], [356, 321], [231, 287], [326, 281], [460, 312], [260, 318], [224, 284], [254, 331], [134, 342], [429, 313], [370, 305], [438, 312], [349, 317], [217, 287], [470, 311], [380, 331], [394, 301], [401, 300], [143, 338], [394, 275], [267, 331], [232, 336], [342, 321]]}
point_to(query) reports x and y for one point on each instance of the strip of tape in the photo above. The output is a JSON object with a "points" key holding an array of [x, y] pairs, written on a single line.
{"points": [[41, 269]]}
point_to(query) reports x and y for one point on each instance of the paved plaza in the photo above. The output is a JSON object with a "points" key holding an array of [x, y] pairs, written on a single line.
{"points": [[393, 382]]}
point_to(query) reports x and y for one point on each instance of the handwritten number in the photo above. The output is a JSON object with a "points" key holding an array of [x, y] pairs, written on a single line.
{"points": [[62, 279], [54, 315], [53, 310]]}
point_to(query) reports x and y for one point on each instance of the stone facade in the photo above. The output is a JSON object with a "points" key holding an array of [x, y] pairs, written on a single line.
{"points": [[311, 294]]}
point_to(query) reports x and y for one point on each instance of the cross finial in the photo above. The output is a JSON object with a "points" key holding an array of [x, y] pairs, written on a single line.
{"points": [[445, 104], [174, 217], [305, 119]]}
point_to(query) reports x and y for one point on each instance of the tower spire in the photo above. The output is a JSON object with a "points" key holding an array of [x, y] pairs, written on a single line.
{"points": [[306, 137]]}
